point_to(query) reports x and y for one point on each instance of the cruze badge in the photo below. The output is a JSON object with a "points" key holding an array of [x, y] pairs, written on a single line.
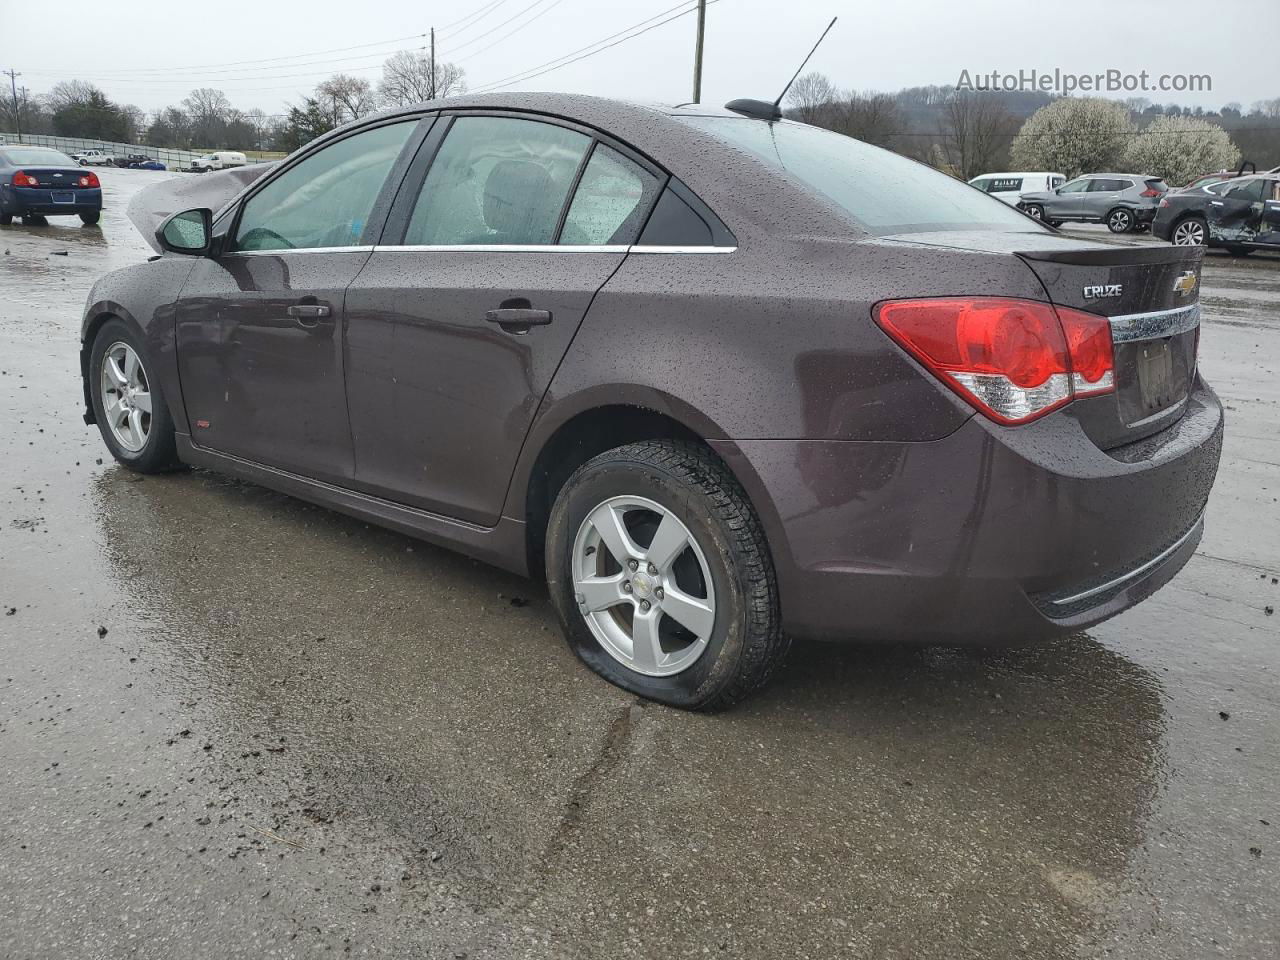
{"points": [[1097, 291], [1185, 283]]}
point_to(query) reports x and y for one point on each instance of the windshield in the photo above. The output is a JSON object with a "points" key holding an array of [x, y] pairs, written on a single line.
{"points": [[884, 192], [36, 155]]}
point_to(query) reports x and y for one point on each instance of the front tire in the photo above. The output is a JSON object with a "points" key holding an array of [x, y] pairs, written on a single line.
{"points": [[1120, 220], [128, 401], [659, 571], [1034, 211]]}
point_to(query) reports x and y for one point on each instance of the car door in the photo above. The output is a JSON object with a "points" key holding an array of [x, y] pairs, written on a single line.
{"points": [[259, 325], [1269, 232], [1234, 210], [1068, 201], [504, 230], [1102, 195]]}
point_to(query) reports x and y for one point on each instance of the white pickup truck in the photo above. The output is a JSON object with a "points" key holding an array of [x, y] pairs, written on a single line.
{"points": [[95, 157]]}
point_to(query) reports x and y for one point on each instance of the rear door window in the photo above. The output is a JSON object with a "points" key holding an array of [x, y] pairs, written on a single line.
{"points": [[611, 202], [325, 200], [499, 180], [1249, 191]]}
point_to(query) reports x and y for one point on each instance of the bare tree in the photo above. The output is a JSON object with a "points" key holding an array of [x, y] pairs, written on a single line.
{"points": [[348, 97], [872, 117], [810, 95], [978, 130], [206, 110], [71, 93], [406, 79]]}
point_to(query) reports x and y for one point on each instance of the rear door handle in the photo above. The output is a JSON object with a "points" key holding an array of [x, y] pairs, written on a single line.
{"points": [[309, 311], [518, 319]]}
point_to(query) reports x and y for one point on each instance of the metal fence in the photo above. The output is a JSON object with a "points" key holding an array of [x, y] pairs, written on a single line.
{"points": [[173, 159]]}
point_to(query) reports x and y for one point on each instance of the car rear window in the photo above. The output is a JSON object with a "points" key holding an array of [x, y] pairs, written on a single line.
{"points": [[36, 155], [885, 193]]}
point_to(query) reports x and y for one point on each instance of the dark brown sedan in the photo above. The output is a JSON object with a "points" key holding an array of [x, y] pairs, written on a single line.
{"points": [[726, 381]]}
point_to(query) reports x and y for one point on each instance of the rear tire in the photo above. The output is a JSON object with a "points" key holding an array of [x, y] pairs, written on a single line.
{"points": [[1239, 251], [1120, 220], [709, 653], [91, 218], [145, 444], [1190, 232]]}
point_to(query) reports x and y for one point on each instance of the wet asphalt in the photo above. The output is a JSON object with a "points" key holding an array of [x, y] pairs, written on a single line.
{"points": [[235, 725]]}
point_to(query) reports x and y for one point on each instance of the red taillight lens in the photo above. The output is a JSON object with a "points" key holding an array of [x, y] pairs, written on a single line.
{"points": [[24, 179], [89, 180], [1149, 193], [1015, 360]]}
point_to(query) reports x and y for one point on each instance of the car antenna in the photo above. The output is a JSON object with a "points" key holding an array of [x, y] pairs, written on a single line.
{"points": [[762, 109]]}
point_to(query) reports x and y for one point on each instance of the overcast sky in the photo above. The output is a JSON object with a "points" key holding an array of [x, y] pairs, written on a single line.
{"points": [[269, 53]]}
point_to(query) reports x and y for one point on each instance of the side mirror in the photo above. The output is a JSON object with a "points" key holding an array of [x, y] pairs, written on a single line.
{"points": [[189, 232]]}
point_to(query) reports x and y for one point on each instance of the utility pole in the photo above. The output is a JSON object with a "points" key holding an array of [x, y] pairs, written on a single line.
{"points": [[13, 87], [697, 52], [433, 64]]}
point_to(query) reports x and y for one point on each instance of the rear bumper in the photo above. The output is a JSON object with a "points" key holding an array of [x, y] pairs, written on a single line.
{"points": [[40, 200], [978, 537]]}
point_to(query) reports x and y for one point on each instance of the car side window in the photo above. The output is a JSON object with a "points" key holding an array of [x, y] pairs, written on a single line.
{"points": [[1055, 182], [1076, 186], [611, 202], [1275, 191], [983, 184], [1102, 186], [325, 200], [1250, 191], [497, 180]]}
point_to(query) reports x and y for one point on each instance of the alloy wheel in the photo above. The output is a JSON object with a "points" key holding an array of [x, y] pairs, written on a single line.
{"points": [[643, 586], [1120, 221], [126, 396], [1189, 233]]}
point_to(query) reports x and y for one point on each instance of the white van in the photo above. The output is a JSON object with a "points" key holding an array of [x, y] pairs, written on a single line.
{"points": [[1009, 186], [219, 160]]}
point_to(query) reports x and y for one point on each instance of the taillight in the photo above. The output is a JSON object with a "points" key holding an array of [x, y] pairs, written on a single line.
{"points": [[1149, 192], [24, 179], [89, 180], [1014, 360]]}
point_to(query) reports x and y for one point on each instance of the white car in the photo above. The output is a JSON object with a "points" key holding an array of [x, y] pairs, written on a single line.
{"points": [[219, 160], [1009, 186]]}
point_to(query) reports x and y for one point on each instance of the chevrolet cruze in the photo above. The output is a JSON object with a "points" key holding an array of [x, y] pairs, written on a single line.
{"points": [[723, 379]]}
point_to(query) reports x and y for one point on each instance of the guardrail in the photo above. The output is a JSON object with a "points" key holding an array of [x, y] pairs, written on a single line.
{"points": [[171, 158]]}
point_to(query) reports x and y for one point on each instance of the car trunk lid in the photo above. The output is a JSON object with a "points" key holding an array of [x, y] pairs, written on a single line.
{"points": [[56, 178], [1151, 295]]}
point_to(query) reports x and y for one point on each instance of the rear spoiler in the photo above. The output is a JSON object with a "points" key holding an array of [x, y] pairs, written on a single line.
{"points": [[1146, 253]]}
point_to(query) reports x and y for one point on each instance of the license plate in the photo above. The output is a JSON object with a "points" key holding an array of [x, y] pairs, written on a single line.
{"points": [[1155, 375], [63, 196]]}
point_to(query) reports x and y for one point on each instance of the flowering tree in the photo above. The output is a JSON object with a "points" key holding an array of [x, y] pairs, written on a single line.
{"points": [[1179, 149], [1073, 136]]}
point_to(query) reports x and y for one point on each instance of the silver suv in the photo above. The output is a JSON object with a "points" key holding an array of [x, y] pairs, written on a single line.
{"points": [[1123, 201]]}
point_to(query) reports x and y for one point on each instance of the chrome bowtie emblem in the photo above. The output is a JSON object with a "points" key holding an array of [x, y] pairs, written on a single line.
{"points": [[1186, 283]]}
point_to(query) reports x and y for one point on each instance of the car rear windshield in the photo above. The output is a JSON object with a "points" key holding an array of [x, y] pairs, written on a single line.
{"points": [[884, 192], [36, 155]]}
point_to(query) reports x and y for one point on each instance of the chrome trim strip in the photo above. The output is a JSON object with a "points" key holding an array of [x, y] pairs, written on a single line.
{"points": [[1135, 573], [276, 253], [1159, 323], [501, 248], [639, 249], [541, 248]]}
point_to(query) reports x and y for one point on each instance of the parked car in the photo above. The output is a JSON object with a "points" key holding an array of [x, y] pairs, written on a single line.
{"points": [[1123, 201], [95, 157], [1241, 214], [147, 164], [39, 182], [220, 160], [1009, 187], [127, 160], [723, 381]]}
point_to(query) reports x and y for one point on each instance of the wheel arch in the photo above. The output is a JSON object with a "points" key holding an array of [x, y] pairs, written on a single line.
{"points": [[559, 445], [95, 317]]}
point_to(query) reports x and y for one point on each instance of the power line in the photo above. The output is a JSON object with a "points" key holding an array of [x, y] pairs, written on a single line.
{"points": [[579, 54], [491, 30], [507, 36]]}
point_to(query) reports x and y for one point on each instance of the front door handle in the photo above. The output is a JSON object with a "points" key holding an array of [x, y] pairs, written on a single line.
{"points": [[519, 316], [309, 311]]}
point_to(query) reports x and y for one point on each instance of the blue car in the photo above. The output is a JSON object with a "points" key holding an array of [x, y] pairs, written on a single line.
{"points": [[147, 165], [39, 182]]}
